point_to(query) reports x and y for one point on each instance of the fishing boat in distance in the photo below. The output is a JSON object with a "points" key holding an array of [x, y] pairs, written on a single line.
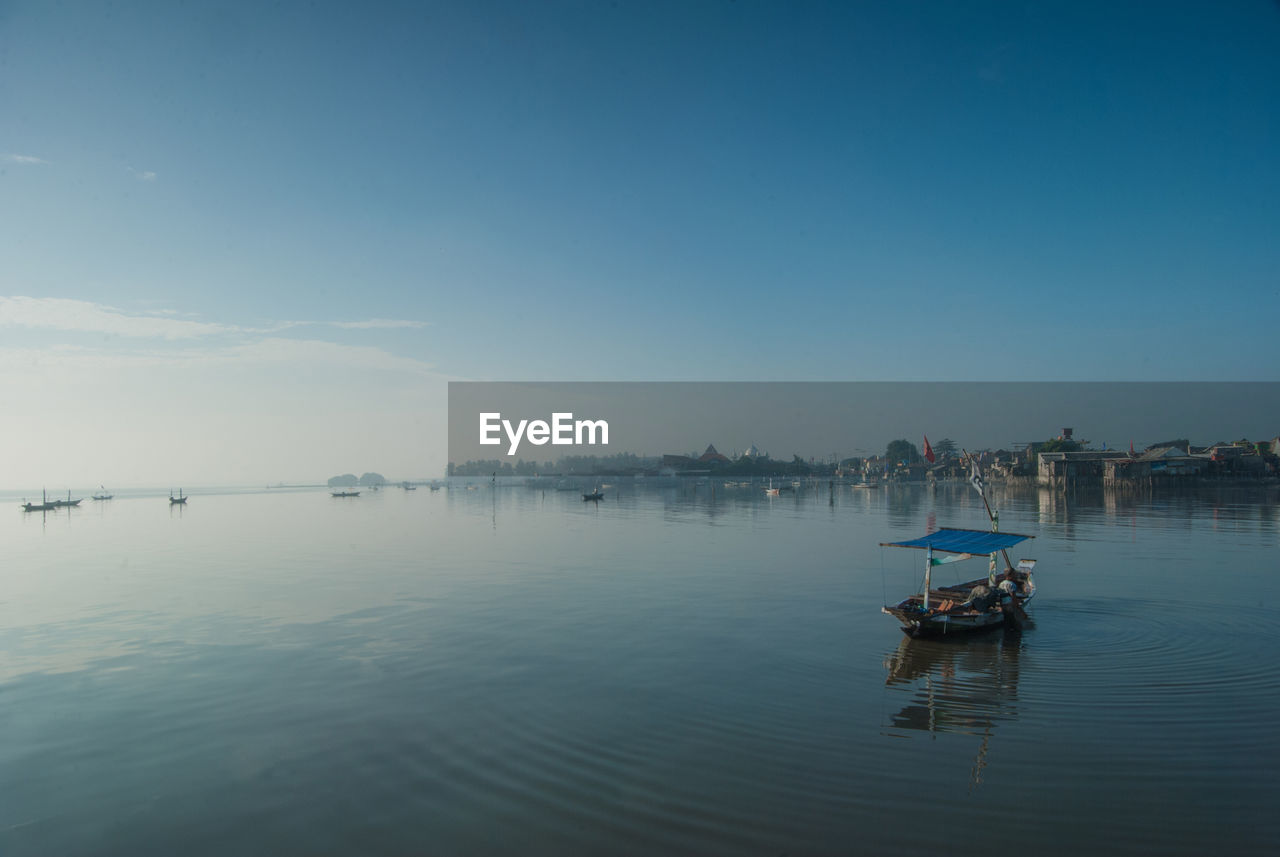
{"points": [[58, 504], [105, 495], [43, 506], [597, 494], [770, 491], [977, 605], [345, 493], [177, 501]]}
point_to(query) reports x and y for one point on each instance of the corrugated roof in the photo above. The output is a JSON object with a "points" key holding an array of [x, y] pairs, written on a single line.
{"points": [[951, 540]]}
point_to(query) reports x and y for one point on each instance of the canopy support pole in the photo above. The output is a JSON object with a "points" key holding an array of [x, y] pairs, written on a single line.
{"points": [[928, 570]]}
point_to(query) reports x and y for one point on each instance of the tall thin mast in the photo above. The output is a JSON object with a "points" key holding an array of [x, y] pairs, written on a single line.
{"points": [[975, 479]]}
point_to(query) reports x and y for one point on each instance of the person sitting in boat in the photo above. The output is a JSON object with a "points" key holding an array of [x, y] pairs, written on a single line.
{"points": [[980, 599], [1010, 586]]}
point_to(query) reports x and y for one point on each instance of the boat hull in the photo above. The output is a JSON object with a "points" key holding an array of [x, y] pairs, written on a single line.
{"points": [[917, 622]]}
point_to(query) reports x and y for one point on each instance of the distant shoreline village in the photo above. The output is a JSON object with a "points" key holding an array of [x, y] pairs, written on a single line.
{"points": [[1059, 462]]}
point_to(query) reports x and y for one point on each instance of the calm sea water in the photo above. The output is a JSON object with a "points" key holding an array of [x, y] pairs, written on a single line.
{"points": [[513, 670]]}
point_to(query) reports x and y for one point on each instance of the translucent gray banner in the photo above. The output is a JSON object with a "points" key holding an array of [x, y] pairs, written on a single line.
{"points": [[544, 422]]}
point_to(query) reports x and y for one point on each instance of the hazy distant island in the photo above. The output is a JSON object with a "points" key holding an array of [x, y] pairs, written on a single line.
{"points": [[349, 480]]}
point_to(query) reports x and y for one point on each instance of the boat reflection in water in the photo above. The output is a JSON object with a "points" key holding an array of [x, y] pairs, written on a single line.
{"points": [[965, 689]]}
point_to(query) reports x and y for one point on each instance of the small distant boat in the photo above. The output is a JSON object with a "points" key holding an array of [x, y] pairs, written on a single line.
{"points": [[865, 485], [406, 486], [434, 487], [43, 506], [345, 493], [770, 491], [57, 504], [104, 495], [594, 495], [177, 501]]}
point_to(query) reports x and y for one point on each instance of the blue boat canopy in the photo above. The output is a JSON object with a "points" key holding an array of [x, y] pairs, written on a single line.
{"points": [[963, 541]]}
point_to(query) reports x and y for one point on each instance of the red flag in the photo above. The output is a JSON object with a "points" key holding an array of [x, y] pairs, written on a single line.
{"points": [[928, 450], [1131, 449]]}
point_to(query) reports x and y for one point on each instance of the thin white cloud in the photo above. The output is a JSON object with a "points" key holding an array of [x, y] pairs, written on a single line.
{"points": [[314, 352], [70, 315], [375, 323], [143, 175], [21, 362], [24, 159], [369, 324], [85, 317]]}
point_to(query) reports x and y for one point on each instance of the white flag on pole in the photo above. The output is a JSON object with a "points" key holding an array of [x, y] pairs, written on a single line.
{"points": [[975, 476]]}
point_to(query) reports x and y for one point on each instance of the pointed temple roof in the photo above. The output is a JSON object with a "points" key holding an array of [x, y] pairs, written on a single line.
{"points": [[712, 455]]}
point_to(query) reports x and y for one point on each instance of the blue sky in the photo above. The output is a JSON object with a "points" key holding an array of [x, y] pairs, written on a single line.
{"points": [[635, 191]]}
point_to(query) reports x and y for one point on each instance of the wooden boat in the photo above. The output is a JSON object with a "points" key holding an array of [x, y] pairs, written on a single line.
{"points": [[43, 506], [594, 495], [770, 491], [104, 495], [177, 501], [58, 504], [345, 493], [977, 605]]}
